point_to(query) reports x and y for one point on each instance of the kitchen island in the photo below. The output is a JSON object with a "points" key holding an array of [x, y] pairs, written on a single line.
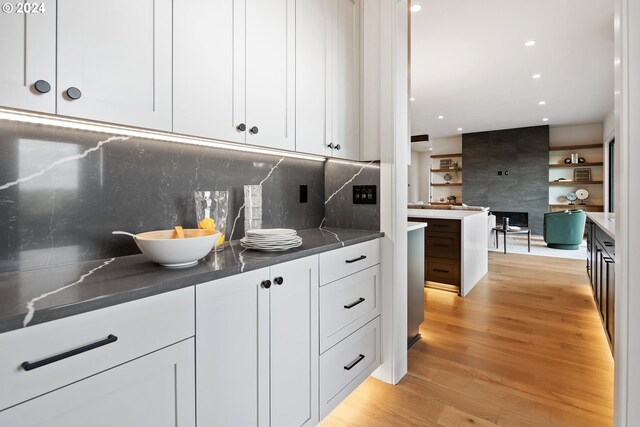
{"points": [[456, 253]]}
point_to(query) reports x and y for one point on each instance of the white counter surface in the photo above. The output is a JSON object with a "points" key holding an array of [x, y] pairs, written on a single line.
{"points": [[604, 221], [442, 213], [415, 225]]}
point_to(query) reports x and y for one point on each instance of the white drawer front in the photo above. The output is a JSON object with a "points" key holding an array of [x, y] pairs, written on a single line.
{"points": [[342, 262], [361, 353], [347, 304], [141, 326]]}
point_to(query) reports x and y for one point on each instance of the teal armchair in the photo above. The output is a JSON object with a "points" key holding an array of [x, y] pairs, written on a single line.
{"points": [[564, 230]]}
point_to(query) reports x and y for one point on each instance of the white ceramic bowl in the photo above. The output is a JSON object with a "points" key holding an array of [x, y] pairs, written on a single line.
{"points": [[163, 248]]}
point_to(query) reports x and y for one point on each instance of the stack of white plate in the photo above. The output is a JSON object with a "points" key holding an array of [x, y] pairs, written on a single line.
{"points": [[271, 239]]}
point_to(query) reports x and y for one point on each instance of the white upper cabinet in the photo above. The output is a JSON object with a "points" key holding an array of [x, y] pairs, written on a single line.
{"points": [[114, 61], [270, 73], [28, 52], [234, 71], [328, 78], [312, 79], [208, 69], [345, 72]]}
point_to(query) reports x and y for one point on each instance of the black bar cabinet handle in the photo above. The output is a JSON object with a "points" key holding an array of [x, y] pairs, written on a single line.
{"points": [[354, 363], [440, 270], [353, 304], [360, 258], [608, 244], [27, 366]]}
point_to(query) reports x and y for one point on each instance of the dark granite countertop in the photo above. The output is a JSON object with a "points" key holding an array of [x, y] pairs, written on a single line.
{"points": [[31, 297]]}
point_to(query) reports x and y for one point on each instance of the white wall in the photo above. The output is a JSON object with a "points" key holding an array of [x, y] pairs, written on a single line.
{"points": [[576, 135], [414, 177], [419, 177]]}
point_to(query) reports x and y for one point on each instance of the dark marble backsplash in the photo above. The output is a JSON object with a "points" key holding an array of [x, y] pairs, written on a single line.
{"points": [[62, 192], [340, 177]]}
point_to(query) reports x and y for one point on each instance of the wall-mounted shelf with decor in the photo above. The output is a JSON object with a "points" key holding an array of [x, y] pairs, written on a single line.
{"points": [[592, 156], [575, 147], [449, 166], [575, 165], [574, 183], [445, 170], [444, 156], [559, 207], [445, 204]]}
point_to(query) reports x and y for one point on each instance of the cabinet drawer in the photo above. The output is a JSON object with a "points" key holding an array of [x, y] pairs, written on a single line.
{"points": [[141, 326], [347, 304], [446, 225], [608, 244], [443, 271], [443, 245], [342, 262], [348, 364]]}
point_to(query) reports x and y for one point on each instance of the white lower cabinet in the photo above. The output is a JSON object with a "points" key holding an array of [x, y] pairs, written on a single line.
{"points": [[257, 347], [154, 390], [346, 365]]}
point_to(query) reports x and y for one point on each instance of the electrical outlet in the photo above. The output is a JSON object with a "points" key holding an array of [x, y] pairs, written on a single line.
{"points": [[303, 193], [499, 173], [365, 194]]}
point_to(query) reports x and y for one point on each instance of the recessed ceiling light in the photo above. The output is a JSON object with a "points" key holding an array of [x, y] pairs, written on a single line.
{"points": [[412, 99], [536, 76], [430, 149], [616, 62], [440, 117], [530, 43], [459, 129], [545, 119], [542, 102], [416, 7]]}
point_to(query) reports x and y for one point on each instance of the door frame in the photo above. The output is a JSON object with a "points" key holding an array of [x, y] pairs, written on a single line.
{"points": [[627, 204]]}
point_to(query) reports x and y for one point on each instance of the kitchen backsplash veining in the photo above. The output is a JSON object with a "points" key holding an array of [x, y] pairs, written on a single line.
{"points": [[63, 191]]}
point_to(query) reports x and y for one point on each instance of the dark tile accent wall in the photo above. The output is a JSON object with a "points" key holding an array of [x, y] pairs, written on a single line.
{"points": [[63, 191], [524, 153], [340, 211]]}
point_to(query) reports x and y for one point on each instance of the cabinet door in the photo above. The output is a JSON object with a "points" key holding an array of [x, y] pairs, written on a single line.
{"points": [[312, 80], [610, 266], [270, 73], [208, 68], [294, 343], [154, 390], [118, 54], [28, 52], [345, 87], [232, 324]]}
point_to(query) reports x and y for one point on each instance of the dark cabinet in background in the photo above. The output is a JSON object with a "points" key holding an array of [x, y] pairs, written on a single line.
{"points": [[601, 270]]}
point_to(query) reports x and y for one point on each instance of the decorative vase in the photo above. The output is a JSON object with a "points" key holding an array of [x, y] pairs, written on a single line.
{"points": [[212, 209]]}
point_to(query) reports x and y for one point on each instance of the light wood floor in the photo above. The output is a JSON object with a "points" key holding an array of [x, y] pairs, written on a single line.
{"points": [[525, 348]]}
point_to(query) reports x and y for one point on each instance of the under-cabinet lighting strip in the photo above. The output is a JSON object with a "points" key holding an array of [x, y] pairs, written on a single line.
{"points": [[43, 119]]}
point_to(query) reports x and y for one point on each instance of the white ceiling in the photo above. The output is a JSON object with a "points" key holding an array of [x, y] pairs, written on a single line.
{"points": [[469, 64]]}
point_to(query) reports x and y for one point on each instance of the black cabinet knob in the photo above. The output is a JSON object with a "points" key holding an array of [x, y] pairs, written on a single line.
{"points": [[74, 93], [241, 127], [254, 130], [330, 145], [278, 280], [266, 284], [42, 86], [337, 146]]}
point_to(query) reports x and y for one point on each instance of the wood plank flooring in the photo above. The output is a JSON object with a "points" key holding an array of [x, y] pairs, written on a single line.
{"points": [[526, 348]]}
